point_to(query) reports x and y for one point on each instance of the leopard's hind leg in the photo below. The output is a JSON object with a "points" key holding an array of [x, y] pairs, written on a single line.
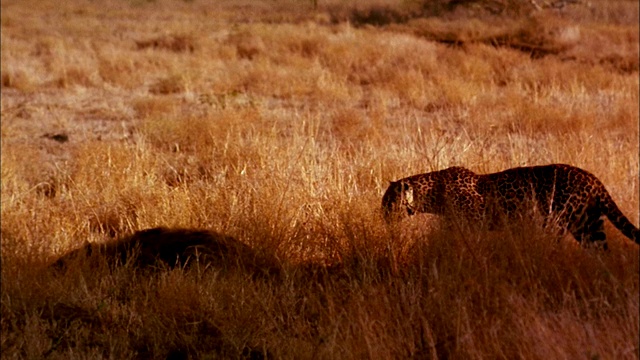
{"points": [[590, 232]]}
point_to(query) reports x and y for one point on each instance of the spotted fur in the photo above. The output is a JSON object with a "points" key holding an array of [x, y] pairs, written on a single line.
{"points": [[570, 197]]}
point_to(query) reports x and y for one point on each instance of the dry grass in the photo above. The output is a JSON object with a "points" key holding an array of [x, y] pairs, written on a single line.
{"points": [[280, 125]]}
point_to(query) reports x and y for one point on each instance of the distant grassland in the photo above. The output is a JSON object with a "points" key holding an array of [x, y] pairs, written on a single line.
{"points": [[280, 124]]}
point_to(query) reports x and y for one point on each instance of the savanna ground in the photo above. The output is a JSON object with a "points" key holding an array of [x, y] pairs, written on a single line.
{"points": [[280, 123]]}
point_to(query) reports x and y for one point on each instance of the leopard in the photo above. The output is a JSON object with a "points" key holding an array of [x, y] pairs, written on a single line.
{"points": [[572, 199]]}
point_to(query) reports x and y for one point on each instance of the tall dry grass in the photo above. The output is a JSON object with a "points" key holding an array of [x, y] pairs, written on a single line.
{"points": [[280, 125]]}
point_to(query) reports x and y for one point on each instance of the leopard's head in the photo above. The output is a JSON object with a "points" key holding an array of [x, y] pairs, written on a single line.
{"points": [[398, 200]]}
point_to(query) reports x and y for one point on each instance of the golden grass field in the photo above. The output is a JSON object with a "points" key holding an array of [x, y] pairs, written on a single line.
{"points": [[280, 123]]}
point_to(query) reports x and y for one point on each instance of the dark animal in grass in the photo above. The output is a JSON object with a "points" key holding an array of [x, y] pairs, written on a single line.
{"points": [[162, 247], [572, 198]]}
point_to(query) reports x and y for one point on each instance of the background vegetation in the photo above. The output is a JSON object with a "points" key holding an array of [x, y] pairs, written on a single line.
{"points": [[279, 123]]}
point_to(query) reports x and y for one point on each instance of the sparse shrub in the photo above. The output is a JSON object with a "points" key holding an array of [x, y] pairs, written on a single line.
{"points": [[174, 43], [119, 73], [16, 80], [73, 76], [621, 63], [154, 107], [168, 85], [170, 132], [248, 45]]}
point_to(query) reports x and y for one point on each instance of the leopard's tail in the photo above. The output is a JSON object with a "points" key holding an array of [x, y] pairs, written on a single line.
{"points": [[618, 219]]}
